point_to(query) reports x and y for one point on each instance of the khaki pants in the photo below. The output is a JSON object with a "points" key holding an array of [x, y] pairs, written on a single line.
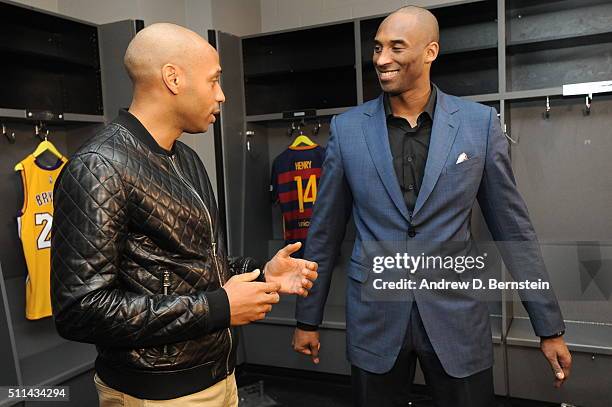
{"points": [[222, 394]]}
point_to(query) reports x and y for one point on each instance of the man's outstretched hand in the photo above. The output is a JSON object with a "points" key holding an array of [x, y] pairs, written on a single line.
{"points": [[295, 276]]}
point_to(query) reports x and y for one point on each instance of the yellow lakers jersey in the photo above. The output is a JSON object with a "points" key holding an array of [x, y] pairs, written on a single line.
{"points": [[34, 228]]}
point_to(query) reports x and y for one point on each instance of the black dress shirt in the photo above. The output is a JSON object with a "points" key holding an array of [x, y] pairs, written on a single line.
{"points": [[409, 147]]}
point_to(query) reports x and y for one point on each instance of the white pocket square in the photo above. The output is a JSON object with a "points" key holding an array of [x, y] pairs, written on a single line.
{"points": [[462, 157]]}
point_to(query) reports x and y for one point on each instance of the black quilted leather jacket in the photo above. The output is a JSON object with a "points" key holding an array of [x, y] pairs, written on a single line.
{"points": [[138, 260]]}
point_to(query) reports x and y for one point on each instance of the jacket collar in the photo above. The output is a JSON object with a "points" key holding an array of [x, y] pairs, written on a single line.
{"points": [[133, 125]]}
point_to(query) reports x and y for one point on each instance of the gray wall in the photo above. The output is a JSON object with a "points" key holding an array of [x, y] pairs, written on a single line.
{"points": [[285, 14]]}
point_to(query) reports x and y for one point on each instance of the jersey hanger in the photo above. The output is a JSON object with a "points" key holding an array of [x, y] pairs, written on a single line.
{"points": [[44, 145], [302, 139]]}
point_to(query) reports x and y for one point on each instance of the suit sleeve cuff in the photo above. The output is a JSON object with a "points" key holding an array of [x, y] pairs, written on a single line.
{"points": [[307, 327], [218, 310], [555, 335]]}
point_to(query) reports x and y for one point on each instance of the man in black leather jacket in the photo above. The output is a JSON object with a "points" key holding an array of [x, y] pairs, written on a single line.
{"points": [[139, 267]]}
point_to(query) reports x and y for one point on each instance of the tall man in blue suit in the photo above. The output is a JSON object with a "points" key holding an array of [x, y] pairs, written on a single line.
{"points": [[409, 166]]}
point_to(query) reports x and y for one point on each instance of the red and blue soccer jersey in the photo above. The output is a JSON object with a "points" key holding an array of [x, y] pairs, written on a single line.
{"points": [[295, 178]]}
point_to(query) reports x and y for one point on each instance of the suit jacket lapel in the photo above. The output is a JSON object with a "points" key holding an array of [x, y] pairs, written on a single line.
{"points": [[443, 133], [377, 139]]}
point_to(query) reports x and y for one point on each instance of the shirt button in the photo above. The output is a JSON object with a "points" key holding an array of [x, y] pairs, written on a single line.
{"points": [[412, 233], [411, 187], [409, 159]]}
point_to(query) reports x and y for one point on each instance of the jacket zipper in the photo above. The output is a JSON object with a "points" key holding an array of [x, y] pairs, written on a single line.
{"points": [[166, 282], [213, 243]]}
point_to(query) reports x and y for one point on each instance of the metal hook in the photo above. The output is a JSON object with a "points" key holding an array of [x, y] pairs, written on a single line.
{"points": [[508, 136], [588, 103], [291, 129], [317, 127], [249, 134], [38, 129], [10, 137]]}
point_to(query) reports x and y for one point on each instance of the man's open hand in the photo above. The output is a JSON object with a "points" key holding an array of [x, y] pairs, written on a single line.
{"points": [[559, 357], [295, 276]]}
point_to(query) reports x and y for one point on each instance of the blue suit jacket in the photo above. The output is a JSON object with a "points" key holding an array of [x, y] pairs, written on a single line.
{"points": [[358, 178]]}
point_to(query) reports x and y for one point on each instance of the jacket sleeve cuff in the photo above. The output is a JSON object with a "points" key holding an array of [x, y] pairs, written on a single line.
{"points": [[307, 327], [555, 335], [218, 310], [552, 331]]}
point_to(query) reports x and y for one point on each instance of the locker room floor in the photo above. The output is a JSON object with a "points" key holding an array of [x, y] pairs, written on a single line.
{"points": [[295, 388]]}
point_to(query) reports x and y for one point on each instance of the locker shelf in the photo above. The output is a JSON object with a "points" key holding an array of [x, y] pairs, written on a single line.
{"points": [[560, 41], [33, 337], [68, 117], [57, 364], [279, 116]]}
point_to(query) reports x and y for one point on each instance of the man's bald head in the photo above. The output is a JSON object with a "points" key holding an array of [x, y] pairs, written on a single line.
{"points": [[160, 44], [418, 18], [176, 76]]}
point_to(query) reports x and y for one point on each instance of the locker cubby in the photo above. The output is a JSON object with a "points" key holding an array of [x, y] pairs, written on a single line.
{"points": [[300, 70], [558, 158], [53, 62], [40, 356], [551, 43]]}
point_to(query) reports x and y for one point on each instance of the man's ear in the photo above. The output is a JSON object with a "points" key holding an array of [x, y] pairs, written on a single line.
{"points": [[431, 51], [171, 78]]}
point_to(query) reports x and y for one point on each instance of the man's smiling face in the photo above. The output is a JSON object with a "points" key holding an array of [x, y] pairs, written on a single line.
{"points": [[402, 54]]}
